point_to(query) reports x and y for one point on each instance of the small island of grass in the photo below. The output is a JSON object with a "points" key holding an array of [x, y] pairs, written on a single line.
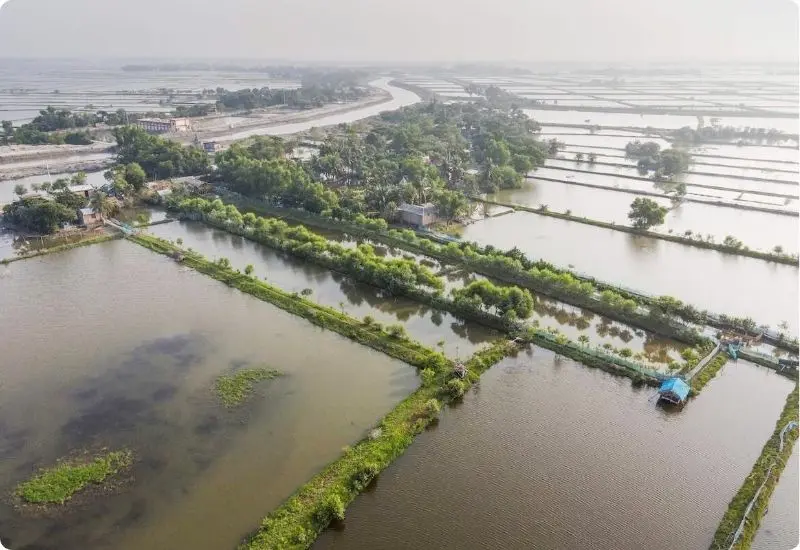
{"points": [[234, 389], [58, 484]]}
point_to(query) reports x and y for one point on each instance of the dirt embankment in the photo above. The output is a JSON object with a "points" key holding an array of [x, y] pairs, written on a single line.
{"points": [[20, 153], [219, 127]]}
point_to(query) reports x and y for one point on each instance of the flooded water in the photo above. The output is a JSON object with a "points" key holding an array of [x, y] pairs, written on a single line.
{"points": [[608, 175], [633, 119], [546, 454], [400, 98], [121, 348], [720, 283], [758, 230], [428, 326], [780, 528]]}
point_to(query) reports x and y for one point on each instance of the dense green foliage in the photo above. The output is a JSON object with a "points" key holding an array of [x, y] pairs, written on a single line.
{"points": [[417, 155], [234, 389], [771, 457], [38, 215], [58, 484], [719, 133], [645, 213], [159, 157]]}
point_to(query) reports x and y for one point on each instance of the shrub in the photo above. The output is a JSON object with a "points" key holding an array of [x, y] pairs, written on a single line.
{"points": [[364, 476], [456, 388], [428, 377], [329, 509], [432, 407]]}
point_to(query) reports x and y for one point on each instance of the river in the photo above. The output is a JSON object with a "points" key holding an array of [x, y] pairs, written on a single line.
{"points": [[720, 283], [548, 454], [400, 98], [120, 348], [758, 230]]}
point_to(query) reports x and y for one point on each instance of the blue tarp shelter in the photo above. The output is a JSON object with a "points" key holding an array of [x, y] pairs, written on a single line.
{"points": [[674, 390]]}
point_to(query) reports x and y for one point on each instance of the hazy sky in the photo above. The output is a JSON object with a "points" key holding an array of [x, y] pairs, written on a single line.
{"points": [[404, 30]]}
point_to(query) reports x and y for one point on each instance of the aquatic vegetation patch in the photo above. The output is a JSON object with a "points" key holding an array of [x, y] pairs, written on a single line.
{"points": [[58, 484], [234, 389]]}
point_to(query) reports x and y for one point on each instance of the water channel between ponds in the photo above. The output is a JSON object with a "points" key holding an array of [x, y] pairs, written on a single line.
{"points": [[129, 359], [424, 324], [720, 283], [758, 230], [546, 454]]}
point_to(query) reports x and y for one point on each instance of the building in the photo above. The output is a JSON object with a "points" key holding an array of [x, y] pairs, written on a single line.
{"points": [[417, 215], [211, 146], [674, 390], [164, 125], [89, 217], [85, 190]]}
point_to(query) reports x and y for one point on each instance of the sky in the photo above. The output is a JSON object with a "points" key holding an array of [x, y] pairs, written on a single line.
{"points": [[623, 31]]}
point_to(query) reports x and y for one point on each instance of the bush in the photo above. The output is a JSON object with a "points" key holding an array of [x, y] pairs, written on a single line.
{"points": [[428, 377], [330, 509], [432, 408], [363, 477], [456, 388]]}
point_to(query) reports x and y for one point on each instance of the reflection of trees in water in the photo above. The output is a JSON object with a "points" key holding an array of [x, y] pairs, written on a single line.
{"points": [[578, 318], [437, 318], [473, 333]]}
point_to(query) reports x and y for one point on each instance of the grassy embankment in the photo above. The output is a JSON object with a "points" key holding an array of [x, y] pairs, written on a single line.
{"points": [[58, 484], [234, 389], [708, 372], [502, 269], [771, 456], [61, 248], [297, 522], [744, 251], [371, 335]]}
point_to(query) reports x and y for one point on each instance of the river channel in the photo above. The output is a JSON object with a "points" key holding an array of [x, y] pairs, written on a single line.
{"points": [[546, 454], [120, 348]]}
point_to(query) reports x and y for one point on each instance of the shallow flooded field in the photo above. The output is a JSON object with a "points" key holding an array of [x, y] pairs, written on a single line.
{"points": [[120, 349], [758, 230], [720, 283], [544, 453]]}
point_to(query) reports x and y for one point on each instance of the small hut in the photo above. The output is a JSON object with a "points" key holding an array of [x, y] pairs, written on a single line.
{"points": [[674, 390]]}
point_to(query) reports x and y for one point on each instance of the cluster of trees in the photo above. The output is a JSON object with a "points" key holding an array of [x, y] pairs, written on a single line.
{"points": [[717, 132], [126, 178], [316, 90], [505, 301], [646, 213], [396, 275], [424, 153], [158, 157], [664, 164], [46, 214]]}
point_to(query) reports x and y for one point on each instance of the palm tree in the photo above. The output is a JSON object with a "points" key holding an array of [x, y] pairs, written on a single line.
{"points": [[102, 204]]}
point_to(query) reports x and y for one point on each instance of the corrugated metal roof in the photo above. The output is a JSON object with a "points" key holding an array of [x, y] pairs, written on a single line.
{"points": [[416, 208], [676, 386], [87, 211]]}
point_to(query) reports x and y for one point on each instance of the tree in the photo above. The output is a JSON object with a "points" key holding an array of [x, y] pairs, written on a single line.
{"points": [[135, 175], [450, 204], [592, 158], [8, 131], [100, 202], [646, 213], [248, 270], [20, 190], [579, 157]]}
